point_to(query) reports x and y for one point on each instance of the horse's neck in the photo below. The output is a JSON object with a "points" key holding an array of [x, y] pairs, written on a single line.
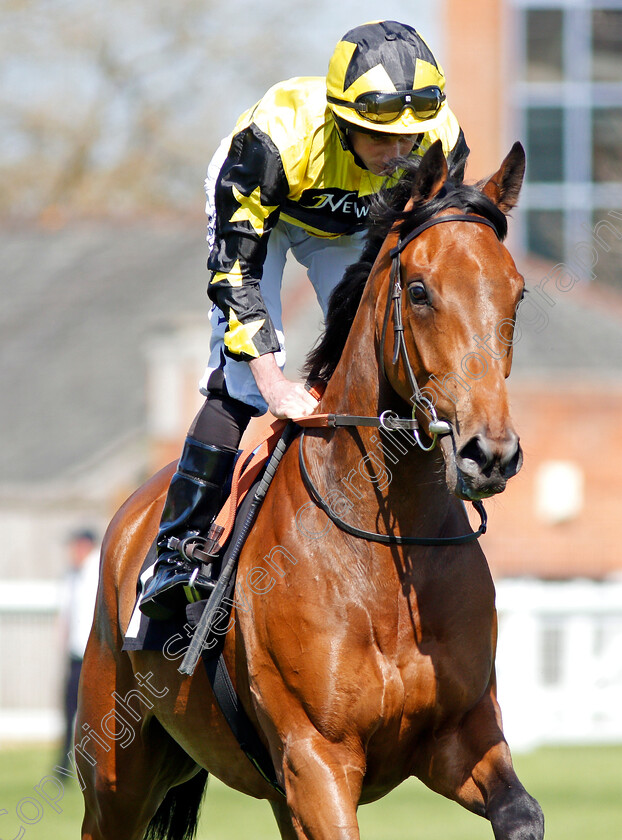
{"points": [[355, 386], [367, 461]]}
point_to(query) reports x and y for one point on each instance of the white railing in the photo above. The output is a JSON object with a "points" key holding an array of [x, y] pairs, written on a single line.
{"points": [[559, 661], [31, 661]]}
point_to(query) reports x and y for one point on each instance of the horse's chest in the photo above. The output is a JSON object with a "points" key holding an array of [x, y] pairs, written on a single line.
{"points": [[428, 687], [439, 673], [440, 682]]}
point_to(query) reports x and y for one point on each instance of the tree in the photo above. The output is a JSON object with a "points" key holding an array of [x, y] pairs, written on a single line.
{"points": [[116, 108]]}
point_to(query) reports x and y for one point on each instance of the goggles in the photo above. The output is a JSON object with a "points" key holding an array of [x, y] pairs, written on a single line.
{"points": [[425, 103]]}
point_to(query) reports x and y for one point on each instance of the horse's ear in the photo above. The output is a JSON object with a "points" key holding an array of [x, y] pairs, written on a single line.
{"points": [[431, 174], [503, 187]]}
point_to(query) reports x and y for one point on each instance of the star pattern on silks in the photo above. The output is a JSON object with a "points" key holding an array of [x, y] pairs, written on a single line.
{"points": [[239, 337], [246, 213], [233, 276], [394, 53]]}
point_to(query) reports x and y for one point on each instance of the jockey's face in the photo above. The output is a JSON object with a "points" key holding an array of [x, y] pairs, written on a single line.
{"points": [[376, 149]]}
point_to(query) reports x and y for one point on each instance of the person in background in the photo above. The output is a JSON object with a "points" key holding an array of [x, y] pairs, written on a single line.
{"points": [[77, 608], [297, 174]]}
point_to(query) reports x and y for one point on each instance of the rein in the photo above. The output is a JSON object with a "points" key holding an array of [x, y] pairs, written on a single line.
{"points": [[373, 536], [388, 420]]}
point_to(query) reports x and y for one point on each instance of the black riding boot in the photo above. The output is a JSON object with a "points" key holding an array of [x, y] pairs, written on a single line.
{"points": [[194, 498]]}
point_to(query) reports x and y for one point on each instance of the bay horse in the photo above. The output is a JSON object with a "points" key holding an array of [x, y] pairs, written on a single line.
{"points": [[359, 662]]}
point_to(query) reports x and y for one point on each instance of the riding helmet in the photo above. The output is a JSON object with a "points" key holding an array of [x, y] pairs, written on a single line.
{"points": [[383, 77]]}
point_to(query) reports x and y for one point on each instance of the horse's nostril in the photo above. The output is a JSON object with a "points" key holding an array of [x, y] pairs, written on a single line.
{"points": [[478, 451], [513, 459], [482, 455]]}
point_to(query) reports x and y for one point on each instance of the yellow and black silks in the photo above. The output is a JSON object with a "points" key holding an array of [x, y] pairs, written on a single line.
{"points": [[286, 161]]}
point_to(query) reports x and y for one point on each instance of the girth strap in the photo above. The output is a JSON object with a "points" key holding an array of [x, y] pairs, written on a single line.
{"points": [[240, 724]]}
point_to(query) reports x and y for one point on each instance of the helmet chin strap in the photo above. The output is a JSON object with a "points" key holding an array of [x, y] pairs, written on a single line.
{"points": [[346, 144]]}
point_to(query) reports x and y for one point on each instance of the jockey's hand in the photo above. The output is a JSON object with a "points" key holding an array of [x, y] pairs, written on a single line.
{"points": [[285, 399]]}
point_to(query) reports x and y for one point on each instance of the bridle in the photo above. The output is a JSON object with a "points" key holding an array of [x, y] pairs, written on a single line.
{"points": [[436, 427], [388, 420]]}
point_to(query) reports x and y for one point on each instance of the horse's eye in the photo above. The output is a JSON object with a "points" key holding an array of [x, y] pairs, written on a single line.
{"points": [[418, 293]]}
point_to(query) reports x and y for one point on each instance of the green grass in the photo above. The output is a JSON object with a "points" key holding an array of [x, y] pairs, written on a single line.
{"points": [[579, 788]]}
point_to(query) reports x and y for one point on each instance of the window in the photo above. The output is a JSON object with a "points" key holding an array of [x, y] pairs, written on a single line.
{"points": [[568, 93], [545, 144], [545, 234], [558, 492], [544, 45], [606, 45], [607, 144], [608, 227]]}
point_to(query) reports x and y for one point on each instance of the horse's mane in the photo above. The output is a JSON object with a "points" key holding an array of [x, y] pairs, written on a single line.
{"points": [[386, 209]]}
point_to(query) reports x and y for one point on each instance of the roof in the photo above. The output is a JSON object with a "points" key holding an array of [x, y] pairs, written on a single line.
{"points": [[78, 305]]}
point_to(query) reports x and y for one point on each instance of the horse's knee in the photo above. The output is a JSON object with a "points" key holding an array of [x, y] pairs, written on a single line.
{"points": [[516, 816], [323, 784]]}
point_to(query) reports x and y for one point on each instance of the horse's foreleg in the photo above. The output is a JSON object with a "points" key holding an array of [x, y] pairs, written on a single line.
{"points": [[283, 818], [323, 784], [471, 763]]}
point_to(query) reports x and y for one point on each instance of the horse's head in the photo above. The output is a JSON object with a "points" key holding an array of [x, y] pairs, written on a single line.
{"points": [[460, 290]]}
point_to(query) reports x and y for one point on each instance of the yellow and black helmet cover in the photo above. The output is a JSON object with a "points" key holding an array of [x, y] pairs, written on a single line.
{"points": [[384, 77]]}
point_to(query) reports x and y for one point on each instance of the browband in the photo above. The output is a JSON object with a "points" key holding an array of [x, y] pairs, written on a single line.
{"points": [[454, 217]]}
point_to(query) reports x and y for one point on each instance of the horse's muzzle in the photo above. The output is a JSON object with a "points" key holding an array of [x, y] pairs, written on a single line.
{"points": [[482, 466]]}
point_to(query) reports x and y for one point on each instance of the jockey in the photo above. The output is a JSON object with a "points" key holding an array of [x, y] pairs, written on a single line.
{"points": [[297, 174]]}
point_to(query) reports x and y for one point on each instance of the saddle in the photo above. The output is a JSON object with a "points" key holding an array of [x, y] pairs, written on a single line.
{"points": [[262, 445], [257, 445], [174, 636]]}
